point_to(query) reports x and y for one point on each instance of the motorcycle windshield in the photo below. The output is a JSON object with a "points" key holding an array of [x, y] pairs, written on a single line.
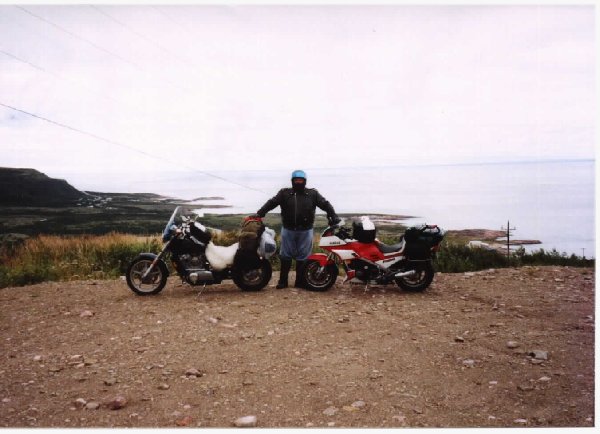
{"points": [[180, 215], [174, 217]]}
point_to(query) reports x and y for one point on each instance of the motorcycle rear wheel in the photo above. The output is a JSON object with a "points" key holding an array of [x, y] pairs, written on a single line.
{"points": [[319, 278], [153, 283], [252, 279], [420, 281]]}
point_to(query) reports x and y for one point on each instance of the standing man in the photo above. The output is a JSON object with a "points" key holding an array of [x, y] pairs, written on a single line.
{"points": [[297, 216]]}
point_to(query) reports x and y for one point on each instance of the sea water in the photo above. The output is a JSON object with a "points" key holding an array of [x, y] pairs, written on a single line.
{"points": [[548, 201]]}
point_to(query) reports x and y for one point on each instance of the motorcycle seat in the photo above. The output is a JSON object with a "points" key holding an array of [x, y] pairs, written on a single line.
{"points": [[385, 248]]}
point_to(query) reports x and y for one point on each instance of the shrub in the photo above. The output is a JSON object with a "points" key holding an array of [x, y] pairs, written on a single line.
{"points": [[542, 257], [459, 258]]}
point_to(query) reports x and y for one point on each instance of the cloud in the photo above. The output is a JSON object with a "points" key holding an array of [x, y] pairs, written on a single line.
{"points": [[271, 87]]}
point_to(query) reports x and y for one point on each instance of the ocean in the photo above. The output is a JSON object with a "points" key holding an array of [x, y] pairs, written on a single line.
{"points": [[548, 201]]}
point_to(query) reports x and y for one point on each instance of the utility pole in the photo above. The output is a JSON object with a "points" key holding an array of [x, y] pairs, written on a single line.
{"points": [[583, 256], [508, 229]]}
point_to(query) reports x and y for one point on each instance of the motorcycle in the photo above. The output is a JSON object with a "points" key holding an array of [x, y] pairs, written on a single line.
{"points": [[366, 260], [198, 261]]}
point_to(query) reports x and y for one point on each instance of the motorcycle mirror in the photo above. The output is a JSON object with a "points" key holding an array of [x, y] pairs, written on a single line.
{"points": [[198, 213]]}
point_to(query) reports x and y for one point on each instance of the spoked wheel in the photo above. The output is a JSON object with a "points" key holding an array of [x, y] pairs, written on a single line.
{"points": [[252, 279], [320, 278], [420, 280], [153, 283]]}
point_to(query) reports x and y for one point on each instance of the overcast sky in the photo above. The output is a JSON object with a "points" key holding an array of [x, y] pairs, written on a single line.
{"points": [[136, 88]]}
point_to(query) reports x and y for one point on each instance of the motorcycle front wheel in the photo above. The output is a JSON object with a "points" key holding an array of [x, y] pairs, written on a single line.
{"points": [[417, 282], [252, 279], [153, 283], [318, 278]]}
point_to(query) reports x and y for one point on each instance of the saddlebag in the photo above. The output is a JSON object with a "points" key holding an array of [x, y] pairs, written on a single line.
{"points": [[267, 245], [420, 240], [417, 250]]}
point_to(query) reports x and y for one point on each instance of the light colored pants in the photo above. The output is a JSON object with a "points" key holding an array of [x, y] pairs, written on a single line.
{"points": [[296, 244]]}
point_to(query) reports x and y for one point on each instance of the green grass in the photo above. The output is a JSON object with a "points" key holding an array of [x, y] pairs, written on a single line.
{"points": [[52, 258]]}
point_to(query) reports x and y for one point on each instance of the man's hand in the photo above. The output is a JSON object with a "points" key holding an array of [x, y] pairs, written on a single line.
{"points": [[334, 220]]}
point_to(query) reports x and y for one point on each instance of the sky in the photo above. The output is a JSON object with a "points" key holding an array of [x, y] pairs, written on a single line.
{"points": [[136, 91]]}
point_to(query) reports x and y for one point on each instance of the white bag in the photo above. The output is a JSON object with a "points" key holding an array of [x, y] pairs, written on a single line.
{"points": [[267, 246]]}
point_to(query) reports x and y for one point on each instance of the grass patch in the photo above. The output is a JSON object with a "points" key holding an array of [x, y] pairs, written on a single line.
{"points": [[57, 258], [52, 258]]}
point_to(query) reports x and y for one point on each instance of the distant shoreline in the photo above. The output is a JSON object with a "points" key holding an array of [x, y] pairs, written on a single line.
{"points": [[147, 213]]}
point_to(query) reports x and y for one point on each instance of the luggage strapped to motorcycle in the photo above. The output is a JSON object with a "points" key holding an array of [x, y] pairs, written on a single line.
{"points": [[251, 230]]}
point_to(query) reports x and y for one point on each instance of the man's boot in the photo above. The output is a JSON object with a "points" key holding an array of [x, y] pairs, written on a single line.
{"points": [[286, 264], [300, 282]]}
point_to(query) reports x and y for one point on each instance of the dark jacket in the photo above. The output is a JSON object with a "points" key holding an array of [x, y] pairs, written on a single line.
{"points": [[297, 209]]}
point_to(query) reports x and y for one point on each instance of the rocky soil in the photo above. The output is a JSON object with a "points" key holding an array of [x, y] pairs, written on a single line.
{"points": [[500, 348]]}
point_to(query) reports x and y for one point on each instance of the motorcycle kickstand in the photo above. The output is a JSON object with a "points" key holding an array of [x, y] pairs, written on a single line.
{"points": [[200, 292], [366, 288]]}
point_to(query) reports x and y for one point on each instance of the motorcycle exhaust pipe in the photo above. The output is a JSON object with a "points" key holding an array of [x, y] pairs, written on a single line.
{"points": [[405, 273], [201, 276]]}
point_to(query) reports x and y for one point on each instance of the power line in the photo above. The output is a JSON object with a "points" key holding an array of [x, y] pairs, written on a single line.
{"points": [[155, 44], [98, 47], [181, 24], [115, 143], [104, 95], [12, 56], [89, 134], [37, 67], [141, 36], [59, 76]]}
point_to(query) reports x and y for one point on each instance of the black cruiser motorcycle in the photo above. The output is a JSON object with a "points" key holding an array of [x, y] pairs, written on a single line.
{"points": [[198, 261]]}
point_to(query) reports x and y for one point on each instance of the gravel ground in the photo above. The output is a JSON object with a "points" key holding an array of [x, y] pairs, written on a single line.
{"points": [[499, 348]]}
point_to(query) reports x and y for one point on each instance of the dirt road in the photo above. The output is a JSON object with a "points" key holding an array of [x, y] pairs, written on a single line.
{"points": [[503, 348]]}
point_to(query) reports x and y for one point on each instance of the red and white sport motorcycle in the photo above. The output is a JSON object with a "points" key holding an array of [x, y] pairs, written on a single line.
{"points": [[366, 260]]}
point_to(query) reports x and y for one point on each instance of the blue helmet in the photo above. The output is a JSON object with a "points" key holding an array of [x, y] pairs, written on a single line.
{"points": [[298, 174]]}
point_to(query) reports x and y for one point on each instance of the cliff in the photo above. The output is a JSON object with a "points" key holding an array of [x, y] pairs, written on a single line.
{"points": [[28, 187]]}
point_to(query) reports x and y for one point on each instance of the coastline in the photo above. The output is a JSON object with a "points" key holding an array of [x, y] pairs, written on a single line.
{"points": [[146, 213]]}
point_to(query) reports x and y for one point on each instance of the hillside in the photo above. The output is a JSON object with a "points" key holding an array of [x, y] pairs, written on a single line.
{"points": [[497, 348], [28, 187], [33, 203]]}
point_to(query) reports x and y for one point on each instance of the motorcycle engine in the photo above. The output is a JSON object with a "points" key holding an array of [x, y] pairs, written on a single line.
{"points": [[195, 268], [364, 270], [192, 261]]}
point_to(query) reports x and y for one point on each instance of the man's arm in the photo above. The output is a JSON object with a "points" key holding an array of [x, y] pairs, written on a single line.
{"points": [[272, 203], [327, 207]]}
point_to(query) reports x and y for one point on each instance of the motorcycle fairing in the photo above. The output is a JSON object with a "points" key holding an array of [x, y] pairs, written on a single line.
{"points": [[321, 258]]}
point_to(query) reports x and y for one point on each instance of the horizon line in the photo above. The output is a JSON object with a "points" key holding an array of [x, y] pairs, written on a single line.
{"points": [[392, 166]]}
